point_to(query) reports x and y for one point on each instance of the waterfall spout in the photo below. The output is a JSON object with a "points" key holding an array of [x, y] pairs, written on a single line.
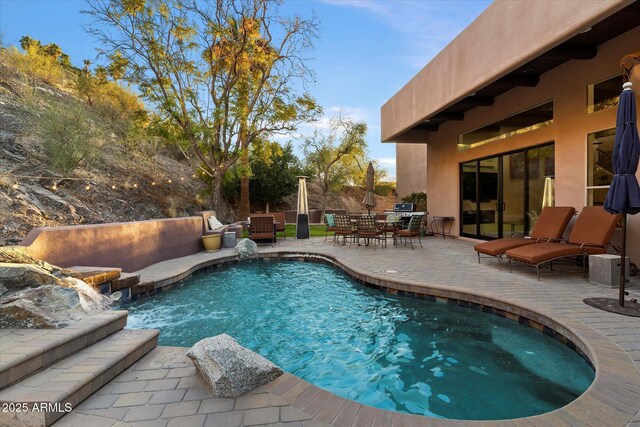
{"points": [[90, 300]]}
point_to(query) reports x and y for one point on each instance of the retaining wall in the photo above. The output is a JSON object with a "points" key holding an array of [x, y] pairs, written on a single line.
{"points": [[127, 245]]}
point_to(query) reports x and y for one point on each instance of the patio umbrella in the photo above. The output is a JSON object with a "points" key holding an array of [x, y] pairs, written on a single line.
{"points": [[370, 199], [624, 194]]}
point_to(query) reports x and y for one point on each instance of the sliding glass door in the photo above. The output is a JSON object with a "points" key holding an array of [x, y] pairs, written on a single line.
{"points": [[503, 195]]}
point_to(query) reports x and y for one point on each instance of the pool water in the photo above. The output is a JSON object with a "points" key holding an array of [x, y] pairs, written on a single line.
{"points": [[391, 352]]}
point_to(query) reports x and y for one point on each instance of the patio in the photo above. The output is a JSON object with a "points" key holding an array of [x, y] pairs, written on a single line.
{"points": [[163, 388]]}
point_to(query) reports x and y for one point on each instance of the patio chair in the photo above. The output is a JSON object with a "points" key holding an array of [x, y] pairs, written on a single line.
{"points": [[366, 229], [330, 225], [281, 223], [344, 228], [412, 230], [390, 225], [549, 227], [262, 227], [590, 236]]}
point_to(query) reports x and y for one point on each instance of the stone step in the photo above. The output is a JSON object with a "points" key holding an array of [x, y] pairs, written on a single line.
{"points": [[47, 395], [26, 351]]}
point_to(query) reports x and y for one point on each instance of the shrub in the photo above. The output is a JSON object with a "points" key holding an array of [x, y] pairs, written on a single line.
{"points": [[35, 65], [68, 138], [419, 199]]}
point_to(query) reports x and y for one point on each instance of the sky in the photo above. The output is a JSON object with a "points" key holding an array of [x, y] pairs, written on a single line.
{"points": [[366, 50]]}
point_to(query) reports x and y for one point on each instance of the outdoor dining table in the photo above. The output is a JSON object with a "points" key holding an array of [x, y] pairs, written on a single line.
{"points": [[384, 222]]}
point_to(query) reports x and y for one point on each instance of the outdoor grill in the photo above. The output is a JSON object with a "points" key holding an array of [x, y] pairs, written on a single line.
{"points": [[404, 207]]}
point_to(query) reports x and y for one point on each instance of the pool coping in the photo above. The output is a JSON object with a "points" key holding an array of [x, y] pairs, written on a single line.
{"points": [[613, 398]]}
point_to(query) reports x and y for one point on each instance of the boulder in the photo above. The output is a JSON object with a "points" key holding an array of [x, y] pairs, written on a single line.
{"points": [[15, 277], [230, 369], [246, 249], [20, 255], [49, 306]]}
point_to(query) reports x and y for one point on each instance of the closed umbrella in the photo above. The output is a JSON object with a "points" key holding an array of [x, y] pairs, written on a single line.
{"points": [[624, 194], [370, 199]]}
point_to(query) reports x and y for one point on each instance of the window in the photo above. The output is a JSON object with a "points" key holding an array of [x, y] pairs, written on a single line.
{"points": [[599, 165], [522, 122], [604, 94]]}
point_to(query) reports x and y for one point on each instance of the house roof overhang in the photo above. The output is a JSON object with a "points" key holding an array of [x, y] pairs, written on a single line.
{"points": [[510, 44]]}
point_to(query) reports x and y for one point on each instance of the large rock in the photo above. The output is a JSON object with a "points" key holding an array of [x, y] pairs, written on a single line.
{"points": [[20, 255], [230, 369], [247, 248], [15, 277], [49, 306]]}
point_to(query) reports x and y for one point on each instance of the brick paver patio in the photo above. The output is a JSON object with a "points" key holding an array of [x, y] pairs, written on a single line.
{"points": [[163, 388]]}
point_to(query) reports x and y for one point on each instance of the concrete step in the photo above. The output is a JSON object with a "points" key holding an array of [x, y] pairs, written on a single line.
{"points": [[26, 351], [46, 396]]}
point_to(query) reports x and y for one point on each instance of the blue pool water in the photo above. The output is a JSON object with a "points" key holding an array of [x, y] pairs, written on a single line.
{"points": [[391, 352]]}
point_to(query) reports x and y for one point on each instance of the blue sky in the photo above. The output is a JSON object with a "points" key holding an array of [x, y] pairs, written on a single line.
{"points": [[367, 49]]}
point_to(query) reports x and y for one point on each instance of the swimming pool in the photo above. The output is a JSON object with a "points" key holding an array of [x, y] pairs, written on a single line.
{"points": [[386, 351]]}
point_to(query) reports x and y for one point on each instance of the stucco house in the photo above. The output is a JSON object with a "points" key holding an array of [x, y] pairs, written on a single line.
{"points": [[518, 110]]}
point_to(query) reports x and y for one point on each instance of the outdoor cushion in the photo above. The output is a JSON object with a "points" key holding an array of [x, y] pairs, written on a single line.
{"points": [[214, 224], [552, 222], [330, 220], [594, 225], [550, 226], [500, 246], [541, 252]]}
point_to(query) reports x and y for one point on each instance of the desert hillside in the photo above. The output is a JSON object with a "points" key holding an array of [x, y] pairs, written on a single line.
{"points": [[127, 177]]}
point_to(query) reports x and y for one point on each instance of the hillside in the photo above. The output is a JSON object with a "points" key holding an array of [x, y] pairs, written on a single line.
{"points": [[129, 177]]}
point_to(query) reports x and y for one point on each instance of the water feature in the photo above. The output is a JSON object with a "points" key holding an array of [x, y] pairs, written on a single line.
{"points": [[90, 299], [391, 352]]}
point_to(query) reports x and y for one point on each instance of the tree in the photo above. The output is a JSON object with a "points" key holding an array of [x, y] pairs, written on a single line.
{"points": [[274, 169], [27, 43], [220, 74], [332, 157], [274, 177], [117, 66]]}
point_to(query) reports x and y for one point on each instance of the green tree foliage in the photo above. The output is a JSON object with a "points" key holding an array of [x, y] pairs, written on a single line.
{"points": [[419, 198], [220, 74], [336, 159], [274, 169]]}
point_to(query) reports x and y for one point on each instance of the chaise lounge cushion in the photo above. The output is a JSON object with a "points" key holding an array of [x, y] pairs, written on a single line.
{"points": [[500, 246], [550, 226], [593, 228], [541, 252]]}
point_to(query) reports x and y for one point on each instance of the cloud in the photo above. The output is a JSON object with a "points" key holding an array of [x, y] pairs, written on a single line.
{"points": [[372, 5], [389, 164], [387, 161]]}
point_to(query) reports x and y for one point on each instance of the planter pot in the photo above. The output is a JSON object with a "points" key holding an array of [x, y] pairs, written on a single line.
{"points": [[211, 242]]}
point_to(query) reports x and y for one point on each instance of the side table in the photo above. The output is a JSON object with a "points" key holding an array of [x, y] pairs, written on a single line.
{"points": [[438, 225]]}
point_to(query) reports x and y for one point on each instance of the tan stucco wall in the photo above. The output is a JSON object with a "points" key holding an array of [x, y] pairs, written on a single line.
{"points": [[473, 59], [411, 166], [127, 245], [567, 86]]}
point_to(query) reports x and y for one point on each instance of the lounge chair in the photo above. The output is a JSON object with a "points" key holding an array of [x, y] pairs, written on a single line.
{"points": [[262, 227], [549, 227], [590, 236], [344, 228], [412, 230]]}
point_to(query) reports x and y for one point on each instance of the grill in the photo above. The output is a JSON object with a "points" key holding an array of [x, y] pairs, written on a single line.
{"points": [[404, 207]]}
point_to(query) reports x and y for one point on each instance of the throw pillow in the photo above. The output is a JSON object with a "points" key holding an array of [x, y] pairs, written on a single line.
{"points": [[330, 220], [214, 224]]}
